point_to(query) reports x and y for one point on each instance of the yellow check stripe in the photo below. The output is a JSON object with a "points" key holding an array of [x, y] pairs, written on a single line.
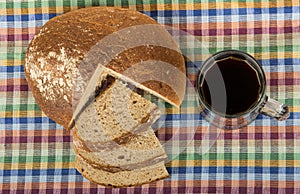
{"points": [[174, 163], [196, 57], [34, 113]]}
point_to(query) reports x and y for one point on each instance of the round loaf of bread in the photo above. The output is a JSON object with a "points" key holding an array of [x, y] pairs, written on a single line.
{"points": [[54, 58]]}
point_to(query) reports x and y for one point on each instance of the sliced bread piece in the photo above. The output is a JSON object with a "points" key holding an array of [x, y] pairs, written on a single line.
{"points": [[134, 151], [115, 113], [121, 179]]}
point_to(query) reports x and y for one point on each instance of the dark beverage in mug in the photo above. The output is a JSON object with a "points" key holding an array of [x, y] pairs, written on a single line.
{"points": [[231, 86], [232, 91]]}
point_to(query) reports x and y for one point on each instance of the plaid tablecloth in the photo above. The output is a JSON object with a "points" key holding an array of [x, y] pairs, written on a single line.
{"points": [[36, 154]]}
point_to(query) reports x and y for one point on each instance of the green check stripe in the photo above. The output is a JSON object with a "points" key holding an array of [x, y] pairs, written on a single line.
{"points": [[12, 56], [287, 48], [20, 159], [209, 156], [20, 107], [290, 102], [240, 156], [255, 49]]}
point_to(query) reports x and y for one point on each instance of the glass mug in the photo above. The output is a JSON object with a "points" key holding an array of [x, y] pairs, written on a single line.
{"points": [[232, 91]]}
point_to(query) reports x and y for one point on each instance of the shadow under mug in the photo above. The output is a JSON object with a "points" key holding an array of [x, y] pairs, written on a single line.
{"points": [[232, 91]]}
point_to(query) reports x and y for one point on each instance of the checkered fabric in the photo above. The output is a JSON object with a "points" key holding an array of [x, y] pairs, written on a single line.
{"points": [[36, 154]]}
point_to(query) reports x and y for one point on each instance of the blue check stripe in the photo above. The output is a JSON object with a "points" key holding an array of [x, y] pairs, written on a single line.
{"points": [[32, 172], [225, 12], [183, 120], [10, 72], [11, 69], [26, 17], [260, 14], [293, 115], [190, 173], [243, 173], [25, 120]]}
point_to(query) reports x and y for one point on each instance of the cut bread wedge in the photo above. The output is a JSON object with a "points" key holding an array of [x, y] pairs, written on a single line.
{"points": [[114, 131], [115, 113], [121, 179], [113, 135], [136, 151]]}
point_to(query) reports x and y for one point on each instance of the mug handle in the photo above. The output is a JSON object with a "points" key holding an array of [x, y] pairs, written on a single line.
{"points": [[275, 109]]}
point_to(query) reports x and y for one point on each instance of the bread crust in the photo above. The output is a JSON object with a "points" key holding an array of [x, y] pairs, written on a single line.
{"points": [[54, 62]]}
